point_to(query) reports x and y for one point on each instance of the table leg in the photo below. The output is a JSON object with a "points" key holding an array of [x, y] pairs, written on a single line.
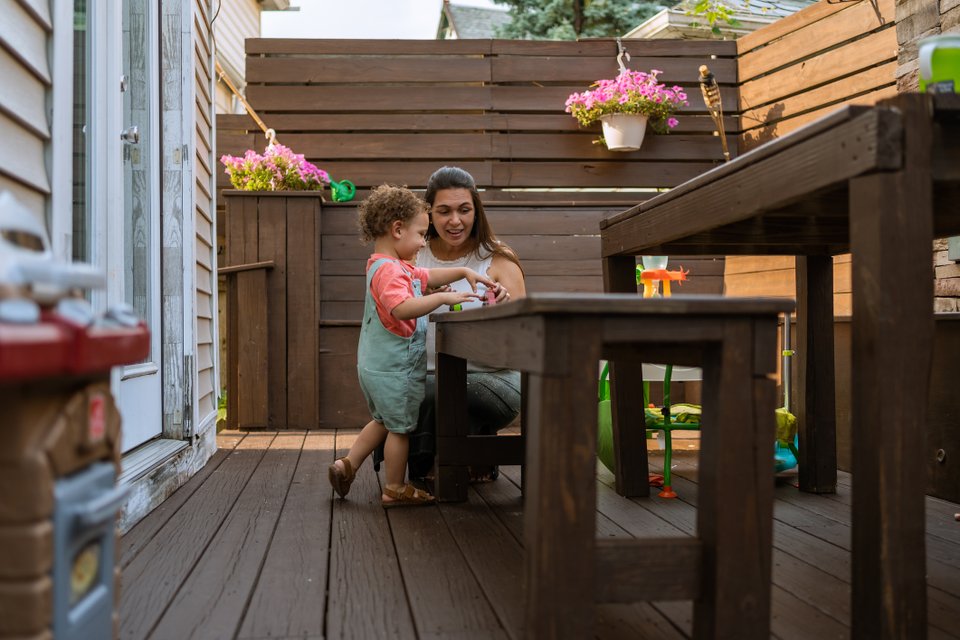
{"points": [[559, 515], [620, 274], [891, 235], [451, 406], [629, 429], [815, 390], [735, 504]]}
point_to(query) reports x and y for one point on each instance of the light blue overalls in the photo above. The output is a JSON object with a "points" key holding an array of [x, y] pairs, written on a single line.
{"points": [[392, 369]]}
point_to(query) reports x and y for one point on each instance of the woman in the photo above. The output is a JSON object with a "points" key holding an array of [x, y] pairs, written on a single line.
{"points": [[459, 235]]}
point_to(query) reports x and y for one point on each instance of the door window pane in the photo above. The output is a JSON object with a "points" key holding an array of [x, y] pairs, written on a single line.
{"points": [[82, 60]]}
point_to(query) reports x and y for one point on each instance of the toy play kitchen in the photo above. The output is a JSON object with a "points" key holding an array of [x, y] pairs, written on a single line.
{"points": [[939, 60], [61, 438]]}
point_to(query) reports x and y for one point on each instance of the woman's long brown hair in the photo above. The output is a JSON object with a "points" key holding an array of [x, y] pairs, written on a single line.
{"points": [[456, 178]]}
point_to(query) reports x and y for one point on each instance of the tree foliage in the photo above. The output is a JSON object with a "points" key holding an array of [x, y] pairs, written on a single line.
{"points": [[572, 19]]}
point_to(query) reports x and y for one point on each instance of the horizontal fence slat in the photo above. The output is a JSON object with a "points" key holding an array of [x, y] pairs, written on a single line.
{"points": [[833, 30], [870, 51], [538, 98], [828, 94], [504, 146], [566, 69], [284, 123], [358, 47], [608, 47], [393, 99], [359, 71], [597, 174], [354, 70], [527, 175], [759, 135], [787, 25]]}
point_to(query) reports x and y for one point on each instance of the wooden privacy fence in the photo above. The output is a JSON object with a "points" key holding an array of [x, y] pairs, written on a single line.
{"points": [[792, 72], [376, 111], [395, 111]]}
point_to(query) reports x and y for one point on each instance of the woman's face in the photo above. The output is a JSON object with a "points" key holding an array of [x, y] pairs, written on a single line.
{"points": [[453, 215]]}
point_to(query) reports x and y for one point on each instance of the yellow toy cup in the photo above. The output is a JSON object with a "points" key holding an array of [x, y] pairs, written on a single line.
{"points": [[940, 64]]}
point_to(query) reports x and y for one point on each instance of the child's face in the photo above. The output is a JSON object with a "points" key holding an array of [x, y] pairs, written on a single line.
{"points": [[409, 238]]}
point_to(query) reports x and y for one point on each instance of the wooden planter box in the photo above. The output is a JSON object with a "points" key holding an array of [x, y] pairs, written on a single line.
{"points": [[272, 268]]}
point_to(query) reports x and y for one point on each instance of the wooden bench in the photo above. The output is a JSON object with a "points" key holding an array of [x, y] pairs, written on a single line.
{"points": [[558, 339]]}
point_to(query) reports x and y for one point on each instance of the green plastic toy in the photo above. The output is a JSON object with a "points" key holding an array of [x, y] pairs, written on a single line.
{"points": [[342, 191]]}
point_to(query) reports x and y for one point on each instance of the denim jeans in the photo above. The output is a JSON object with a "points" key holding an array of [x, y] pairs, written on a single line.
{"points": [[493, 401]]}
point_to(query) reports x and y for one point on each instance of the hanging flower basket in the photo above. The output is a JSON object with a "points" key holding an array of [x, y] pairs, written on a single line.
{"points": [[631, 93], [623, 131]]}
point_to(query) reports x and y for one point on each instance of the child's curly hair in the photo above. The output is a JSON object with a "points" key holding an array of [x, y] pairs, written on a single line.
{"points": [[383, 206]]}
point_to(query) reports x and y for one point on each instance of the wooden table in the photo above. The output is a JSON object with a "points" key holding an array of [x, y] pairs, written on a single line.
{"points": [[880, 182], [558, 340]]}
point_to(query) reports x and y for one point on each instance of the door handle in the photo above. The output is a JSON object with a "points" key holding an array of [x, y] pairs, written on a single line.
{"points": [[131, 134]]}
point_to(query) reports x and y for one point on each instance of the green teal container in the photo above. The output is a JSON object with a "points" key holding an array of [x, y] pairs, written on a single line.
{"points": [[940, 64]]}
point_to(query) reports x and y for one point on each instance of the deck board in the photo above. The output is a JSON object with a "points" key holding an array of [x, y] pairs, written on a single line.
{"points": [[255, 547], [151, 581], [212, 600], [366, 597], [289, 597]]}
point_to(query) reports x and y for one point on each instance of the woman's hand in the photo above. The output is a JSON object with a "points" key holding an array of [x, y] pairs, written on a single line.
{"points": [[501, 293]]}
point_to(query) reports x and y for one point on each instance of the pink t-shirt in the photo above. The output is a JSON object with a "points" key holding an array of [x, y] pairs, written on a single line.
{"points": [[391, 286]]}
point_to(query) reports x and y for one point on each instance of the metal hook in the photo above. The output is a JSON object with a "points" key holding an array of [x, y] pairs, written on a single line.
{"points": [[621, 54], [271, 136]]}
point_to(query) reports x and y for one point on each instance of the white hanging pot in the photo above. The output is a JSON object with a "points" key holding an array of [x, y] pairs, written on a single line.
{"points": [[623, 131]]}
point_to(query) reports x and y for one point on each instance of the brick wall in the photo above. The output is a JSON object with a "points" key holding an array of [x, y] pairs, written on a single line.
{"points": [[918, 19]]}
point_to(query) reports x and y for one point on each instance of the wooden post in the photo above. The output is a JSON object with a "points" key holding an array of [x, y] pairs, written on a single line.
{"points": [[248, 383], [892, 350], [815, 389]]}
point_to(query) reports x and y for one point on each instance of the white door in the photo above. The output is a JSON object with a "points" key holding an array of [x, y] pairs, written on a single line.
{"points": [[116, 173], [133, 237]]}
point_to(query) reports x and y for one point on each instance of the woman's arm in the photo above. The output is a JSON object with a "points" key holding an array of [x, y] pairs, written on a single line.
{"points": [[509, 275]]}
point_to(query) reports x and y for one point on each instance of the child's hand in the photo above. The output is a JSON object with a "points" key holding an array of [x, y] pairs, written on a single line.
{"points": [[440, 289], [457, 297], [473, 278]]}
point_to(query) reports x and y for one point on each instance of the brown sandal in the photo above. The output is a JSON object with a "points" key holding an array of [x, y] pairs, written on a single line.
{"points": [[406, 496], [341, 479]]}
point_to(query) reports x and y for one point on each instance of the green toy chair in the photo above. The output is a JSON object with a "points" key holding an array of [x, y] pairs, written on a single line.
{"points": [[678, 417]]}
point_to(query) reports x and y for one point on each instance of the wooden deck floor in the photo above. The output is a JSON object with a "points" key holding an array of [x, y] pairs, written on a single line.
{"points": [[254, 546]]}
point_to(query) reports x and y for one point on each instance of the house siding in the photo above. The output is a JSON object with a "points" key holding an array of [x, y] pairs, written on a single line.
{"points": [[204, 212], [237, 21], [25, 32]]}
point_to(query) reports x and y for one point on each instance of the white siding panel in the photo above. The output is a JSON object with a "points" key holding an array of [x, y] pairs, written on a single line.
{"points": [[23, 96], [205, 392], [205, 356], [21, 155], [31, 198], [40, 10], [203, 254], [26, 38], [204, 306], [203, 204], [203, 290]]}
